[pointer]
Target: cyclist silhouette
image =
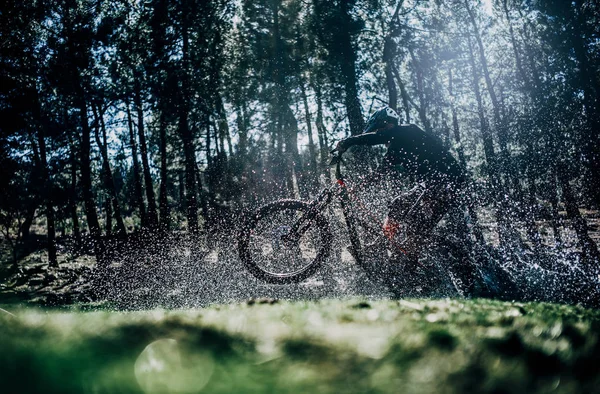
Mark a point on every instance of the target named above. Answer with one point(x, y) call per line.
point(427, 162)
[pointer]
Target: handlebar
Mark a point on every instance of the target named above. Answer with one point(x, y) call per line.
point(336, 159)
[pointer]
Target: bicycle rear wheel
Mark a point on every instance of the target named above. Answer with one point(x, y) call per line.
point(273, 251)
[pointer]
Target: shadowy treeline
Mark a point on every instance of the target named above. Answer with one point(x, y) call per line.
point(118, 116)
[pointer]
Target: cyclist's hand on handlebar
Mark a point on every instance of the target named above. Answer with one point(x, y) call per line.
point(341, 147)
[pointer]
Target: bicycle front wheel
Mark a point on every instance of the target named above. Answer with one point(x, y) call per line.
point(284, 242)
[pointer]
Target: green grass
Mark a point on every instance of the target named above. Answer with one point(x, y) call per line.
point(330, 346)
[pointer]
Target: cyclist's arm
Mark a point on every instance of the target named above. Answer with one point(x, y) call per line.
point(378, 137)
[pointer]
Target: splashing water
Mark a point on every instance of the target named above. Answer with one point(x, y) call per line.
point(184, 270)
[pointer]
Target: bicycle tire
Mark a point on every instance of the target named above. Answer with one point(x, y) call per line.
point(263, 228)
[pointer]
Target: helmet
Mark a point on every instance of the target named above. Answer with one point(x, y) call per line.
point(381, 118)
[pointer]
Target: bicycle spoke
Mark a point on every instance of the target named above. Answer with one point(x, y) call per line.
point(277, 249)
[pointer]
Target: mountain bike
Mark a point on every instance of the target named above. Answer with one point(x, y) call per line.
point(287, 241)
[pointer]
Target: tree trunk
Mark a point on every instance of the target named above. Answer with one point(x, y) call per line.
point(222, 122)
point(388, 59)
point(190, 169)
point(73, 195)
point(405, 96)
point(291, 150)
point(181, 184)
point(109, 184)
point(149, 186)
point(187, 136)
point(351, 101)
point(423, 104)
point(46, 184)
point(242, 135)
point(158, 22)
point(348, 70)
point(209, 155)
point(389, 52)
point(322, 134)
point(137, 181)
point(313, 179)
point(109, 217)
point(165, 215)
point(86, 172)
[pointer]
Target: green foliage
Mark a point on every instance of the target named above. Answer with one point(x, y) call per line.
point(408, 345)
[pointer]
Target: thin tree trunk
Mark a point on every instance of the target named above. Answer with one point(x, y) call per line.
point(187, 137)
point(314, 181)
point(388, 59)
point(181, 184)
point(109, 216)
point(348, 70)
point(86, 171)
point(165, 215)
point(209, 156)
point(73, 194)
point(219, 147)
point(137, 181)
point(149, 186)
point(322, 134)
point(291, 148)
point(190, 170)
point(46, 184)
point(422, 108)
point(73, 198)
point(404, 94)
point(158, 22)
point(242, 134)
point(389, 52)
point(223, 125)
point(109, 183)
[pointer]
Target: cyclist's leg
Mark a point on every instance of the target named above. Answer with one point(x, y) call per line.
point(400, 213)
point(428, 210)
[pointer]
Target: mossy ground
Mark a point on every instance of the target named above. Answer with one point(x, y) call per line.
point(327, 346)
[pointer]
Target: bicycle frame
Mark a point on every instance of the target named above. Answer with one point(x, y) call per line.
point(339, 190)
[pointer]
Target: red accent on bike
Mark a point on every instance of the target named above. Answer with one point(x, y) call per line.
point(390, 228)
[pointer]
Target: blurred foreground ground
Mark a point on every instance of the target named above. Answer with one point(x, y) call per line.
point(326, 346)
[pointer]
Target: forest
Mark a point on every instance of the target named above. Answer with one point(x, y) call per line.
point(154, 116)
